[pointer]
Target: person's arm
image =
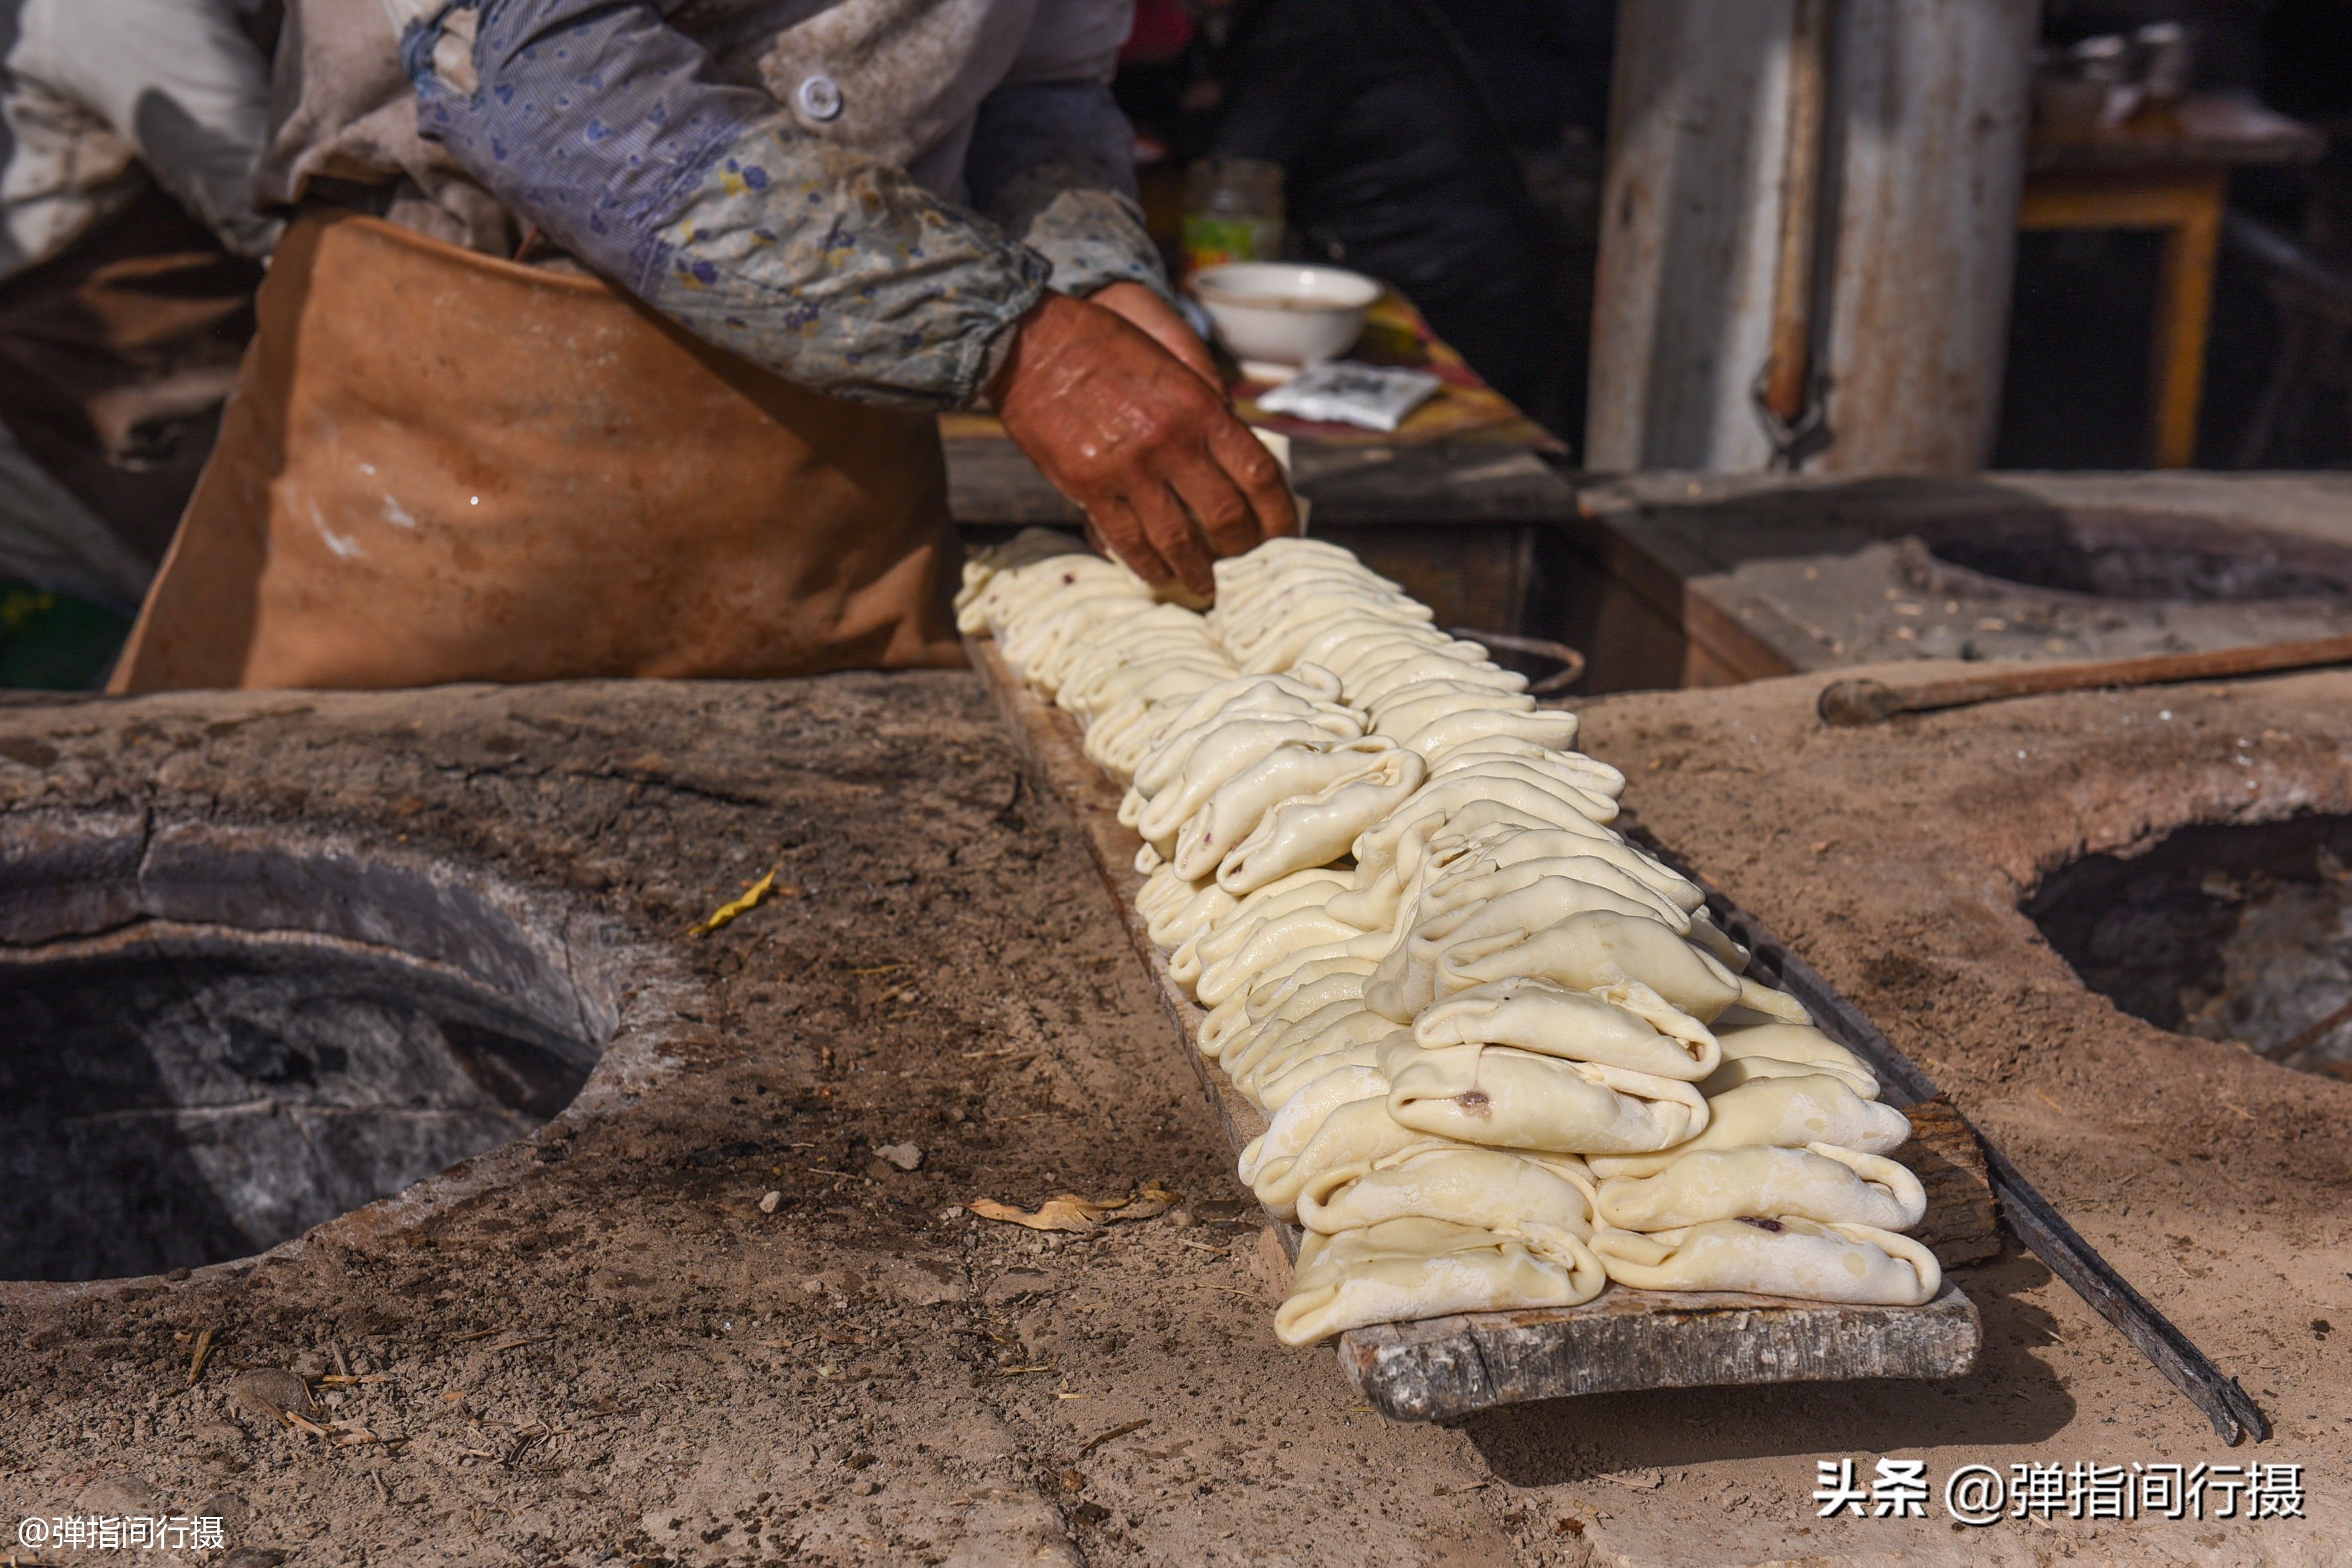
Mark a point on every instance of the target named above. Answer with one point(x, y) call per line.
point(1053, 163)
point(184, 87)
point(604, 127)
point(601, 126)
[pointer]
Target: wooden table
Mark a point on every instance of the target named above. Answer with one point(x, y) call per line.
point(2166, 170)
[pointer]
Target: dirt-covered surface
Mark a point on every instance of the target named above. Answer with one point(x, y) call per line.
point(595, 1347)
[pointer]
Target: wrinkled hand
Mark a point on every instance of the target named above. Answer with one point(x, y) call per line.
point(1169, 480)
point(1163, 324)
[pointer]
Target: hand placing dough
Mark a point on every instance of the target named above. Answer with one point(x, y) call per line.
point(1819, 1182)
point(1766, 1256)
point(1406, 1269)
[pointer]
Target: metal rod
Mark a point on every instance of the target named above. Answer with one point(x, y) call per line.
point(2045, 1232)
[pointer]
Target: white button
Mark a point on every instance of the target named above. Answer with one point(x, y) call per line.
point(820, 99)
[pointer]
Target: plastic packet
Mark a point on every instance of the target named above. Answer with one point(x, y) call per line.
point(1344, 391)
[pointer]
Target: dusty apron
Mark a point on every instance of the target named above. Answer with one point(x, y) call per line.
point(442, 467)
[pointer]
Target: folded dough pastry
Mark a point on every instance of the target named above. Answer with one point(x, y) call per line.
point(1232, 1019)
point(1508, 844)
point(1279, 1042)
point(1467, 880)
point(1268, 1089)
point(1270, 943)
point(1406, 981)
point(1787, 1050)
point(1819, 1181)
point(1554, 1021)
point(1507, 1098)
point(1343, 1148)
point(1549, 727)
point(1416, 708)
point(1587, 773)
point(1214, 761)
point(1293, 769)
point(1375, 682)
point(1589, 802)
point(1589, 950)
point(1488, 1189)
point(1402, 1269)
point(1768, 1256)
point(1786, 1113)
point(1295, 1125)
point(1316, 830)
point(1318, 1035)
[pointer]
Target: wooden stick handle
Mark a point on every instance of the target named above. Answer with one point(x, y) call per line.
point(1864, 701)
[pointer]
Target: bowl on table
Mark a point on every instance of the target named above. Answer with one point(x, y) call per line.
point(1283, 312)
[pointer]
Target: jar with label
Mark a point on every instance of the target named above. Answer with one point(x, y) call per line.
point(1233, 212)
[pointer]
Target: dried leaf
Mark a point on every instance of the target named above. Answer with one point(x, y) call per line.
point(1150, 1203)
point(1072, 1212)
point(754, 897)
point(1069, 1212)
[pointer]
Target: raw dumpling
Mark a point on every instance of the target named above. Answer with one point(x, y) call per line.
point(1294, 1125)
point(1406, 981)
point(1538, 1015)
point(1787, 1050)
point(1821, 1183)
point(1505, 1098)
point(1856, 1263)
point(1785, 1114)
point(1488, 1189)
point(1401, 1269)
point(1547, 727)
point(1316, 830)
point(1343, 1148)
point(1232, 813)
point(1588, 950)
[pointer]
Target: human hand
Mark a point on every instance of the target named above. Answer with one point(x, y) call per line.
point(1163, 324)
point(1169, 478)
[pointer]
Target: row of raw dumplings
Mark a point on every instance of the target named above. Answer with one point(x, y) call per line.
point(1506, 1055)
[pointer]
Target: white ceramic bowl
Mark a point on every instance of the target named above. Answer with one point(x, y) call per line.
point(1285, 312)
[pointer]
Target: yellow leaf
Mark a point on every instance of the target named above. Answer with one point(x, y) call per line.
point(1068, 1212)
point(754, 897)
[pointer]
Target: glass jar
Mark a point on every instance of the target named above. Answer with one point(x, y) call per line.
point(1233, 212)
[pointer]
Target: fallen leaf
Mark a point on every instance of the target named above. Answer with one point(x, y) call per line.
point(1149, 1202)
point(1072, 1212)
point(1069, 1212)
point(754, 897)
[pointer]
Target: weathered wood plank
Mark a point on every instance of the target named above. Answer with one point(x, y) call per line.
point(1442, 1367)
point(1622, 1338)
point(1962, 1224)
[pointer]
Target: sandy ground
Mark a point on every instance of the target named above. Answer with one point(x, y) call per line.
point(868, 1375)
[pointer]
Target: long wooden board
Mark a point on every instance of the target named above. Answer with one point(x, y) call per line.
point(1442, 1367)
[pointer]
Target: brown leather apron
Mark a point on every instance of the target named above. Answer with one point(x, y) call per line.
point(443, 466)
